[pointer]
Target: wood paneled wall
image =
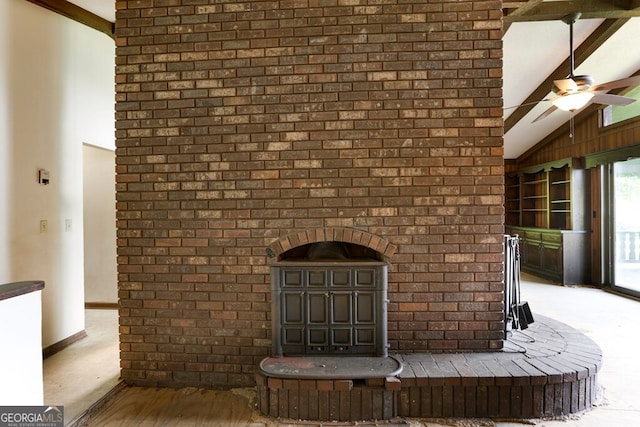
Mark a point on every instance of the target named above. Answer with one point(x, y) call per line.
point(589, 138)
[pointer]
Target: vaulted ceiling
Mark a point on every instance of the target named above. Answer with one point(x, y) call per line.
point(536, 52)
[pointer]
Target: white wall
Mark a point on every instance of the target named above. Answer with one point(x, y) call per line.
point(100, 259)
point(21, 355)
point(56, 92)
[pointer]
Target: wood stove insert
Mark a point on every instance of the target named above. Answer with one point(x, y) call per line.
point(329, 298)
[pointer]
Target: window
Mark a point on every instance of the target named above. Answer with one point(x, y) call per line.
point(613, 114)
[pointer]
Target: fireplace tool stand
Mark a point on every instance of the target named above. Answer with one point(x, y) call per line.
point(518, 315)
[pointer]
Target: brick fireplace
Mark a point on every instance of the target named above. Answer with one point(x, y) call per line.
point(246, 129)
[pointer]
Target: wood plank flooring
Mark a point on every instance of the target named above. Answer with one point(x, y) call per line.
point(143, 407)
point(84, 372)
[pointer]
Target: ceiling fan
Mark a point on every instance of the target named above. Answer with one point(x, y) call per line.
point(576, 92)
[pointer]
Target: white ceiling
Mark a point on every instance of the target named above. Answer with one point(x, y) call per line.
point(103, 8)
point(532, 51)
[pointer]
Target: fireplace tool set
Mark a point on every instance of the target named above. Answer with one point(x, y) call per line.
point(518, 315)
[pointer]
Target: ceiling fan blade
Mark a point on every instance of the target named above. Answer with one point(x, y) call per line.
point(566, 85)
point(608, 99)
point(615, 84)
point(546, 113)
point(527, 103)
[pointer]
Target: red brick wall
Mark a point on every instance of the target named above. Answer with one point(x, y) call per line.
point(243, 123)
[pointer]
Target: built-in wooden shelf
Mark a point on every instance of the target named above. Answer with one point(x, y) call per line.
point(547, 206)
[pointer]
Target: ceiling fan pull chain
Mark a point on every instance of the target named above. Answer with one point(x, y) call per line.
point(571, 127)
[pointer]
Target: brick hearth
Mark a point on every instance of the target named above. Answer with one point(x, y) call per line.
point(557, 376)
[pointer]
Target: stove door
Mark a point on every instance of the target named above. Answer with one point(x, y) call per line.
point(329, 309)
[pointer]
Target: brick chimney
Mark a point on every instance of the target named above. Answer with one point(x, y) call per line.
point(244, 126)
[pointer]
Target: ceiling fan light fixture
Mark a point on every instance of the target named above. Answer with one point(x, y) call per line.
point(574, 101)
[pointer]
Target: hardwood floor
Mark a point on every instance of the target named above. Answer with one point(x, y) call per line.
point(82, 373)
point(141, 406)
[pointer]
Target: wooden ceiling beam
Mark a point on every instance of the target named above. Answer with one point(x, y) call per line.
point(78, 14)
point(554, 11)
point(520, 8)
point(516, 9)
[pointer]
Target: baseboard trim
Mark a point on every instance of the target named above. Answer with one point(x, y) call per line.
point(101, 305)
point(61, 345)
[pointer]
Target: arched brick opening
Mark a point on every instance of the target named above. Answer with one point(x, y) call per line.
point(294, 240)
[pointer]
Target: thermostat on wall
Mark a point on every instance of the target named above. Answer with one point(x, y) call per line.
point(43, 176)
